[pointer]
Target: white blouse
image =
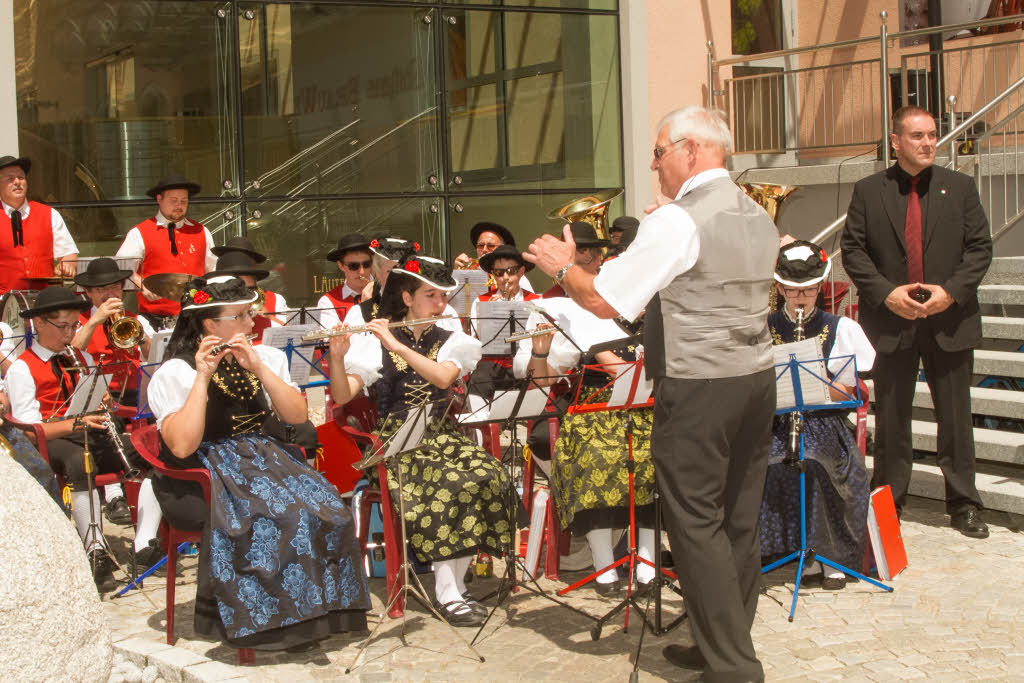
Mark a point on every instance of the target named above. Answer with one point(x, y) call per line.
point(172, 382)
point(850, 341)
point(366, 359)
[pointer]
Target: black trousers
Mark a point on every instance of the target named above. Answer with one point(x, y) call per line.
point(710, 442)
point(949, 379)
point(66, 456)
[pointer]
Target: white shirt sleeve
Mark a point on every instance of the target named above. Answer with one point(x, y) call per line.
point(365, 358)
point(461, 349)
point(133, 246)
point(354, 316)
point(211, 260)
point(453, 323)
point(666, 246)
point(328, 315)
point(277, 361)
point(147, 327)
point(63, 243)
point(7, 347)
point(21, 389)
point(850, 341)
point(169, 387)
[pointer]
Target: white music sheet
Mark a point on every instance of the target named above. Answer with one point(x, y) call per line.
point(624, 383)
point(301, 356)
point(492, 325)
point(503, 407)
point(813, 389)
point(87, 394)
point(472, 283)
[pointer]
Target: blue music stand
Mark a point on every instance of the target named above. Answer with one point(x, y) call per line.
point(804, 555)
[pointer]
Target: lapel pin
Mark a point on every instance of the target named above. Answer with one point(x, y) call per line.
point(942, 191)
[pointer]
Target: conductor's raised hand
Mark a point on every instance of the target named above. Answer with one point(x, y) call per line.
point(550, 253)
point(900, 302)
point(339, 345)
point(380, 329)
point(206, 363)
point(542, 343)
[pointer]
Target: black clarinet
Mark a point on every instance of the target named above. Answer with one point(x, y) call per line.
point(795, 418)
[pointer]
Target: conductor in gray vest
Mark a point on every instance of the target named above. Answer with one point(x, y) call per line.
point(702, 267)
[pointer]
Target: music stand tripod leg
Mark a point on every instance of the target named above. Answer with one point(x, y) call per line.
point(406, 588)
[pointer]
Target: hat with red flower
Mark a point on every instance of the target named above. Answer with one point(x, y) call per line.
point(802, 264)
point(393, 248)
point(434, 272)
point(222, 290)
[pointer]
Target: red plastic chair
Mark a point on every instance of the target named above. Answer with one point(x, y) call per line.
point(556, 540)
point(147, 442)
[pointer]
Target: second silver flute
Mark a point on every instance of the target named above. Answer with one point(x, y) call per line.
point(359, 329)
point(529, 334)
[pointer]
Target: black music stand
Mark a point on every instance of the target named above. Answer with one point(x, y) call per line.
point(630, 390)
point(407, 438)
point(507, 408)
point(801, 372)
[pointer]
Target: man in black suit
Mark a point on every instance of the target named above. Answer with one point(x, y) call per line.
point(917, 245)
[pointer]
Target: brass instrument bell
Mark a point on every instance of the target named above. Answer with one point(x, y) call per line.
point(125, 332)
point(769, 196)
point(592, 209)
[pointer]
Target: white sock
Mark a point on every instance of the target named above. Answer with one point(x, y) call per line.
point(461, 565)
point(812, 568)
point(645, 548)
point(445, 586)
point(80, 513)
point(148, 515)
point(601, 549)
point(112, 491)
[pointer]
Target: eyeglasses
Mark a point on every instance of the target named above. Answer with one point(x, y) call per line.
point(63, 327)
point(489, 246)
point(512, 270)
point(660, 152)
point(237, 318)
point(800, 291)
point(353, 266)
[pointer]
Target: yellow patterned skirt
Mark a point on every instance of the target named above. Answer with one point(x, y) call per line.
point(589, 469)
point(455, 496)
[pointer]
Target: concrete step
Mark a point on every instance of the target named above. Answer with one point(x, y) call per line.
point(1007, 265)
point(990, 445)
point(1002, 328)
point(999, 363)
point(1005, 295)
point(996, 402)
point(1001, 488)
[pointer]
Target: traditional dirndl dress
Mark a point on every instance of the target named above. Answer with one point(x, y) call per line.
point(837, 483)
point(455, 493)
point(279, 563)
point(28, 457)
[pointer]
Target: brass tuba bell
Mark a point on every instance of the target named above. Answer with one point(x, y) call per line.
point(125, 331)
point(591, 209)
point(769, 196)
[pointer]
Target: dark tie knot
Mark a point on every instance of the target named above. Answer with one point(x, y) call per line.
point(914, 182)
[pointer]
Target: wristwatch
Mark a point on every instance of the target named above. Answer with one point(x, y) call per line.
point(560, 275)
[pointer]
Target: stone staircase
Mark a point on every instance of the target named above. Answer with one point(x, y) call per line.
point(999, 450)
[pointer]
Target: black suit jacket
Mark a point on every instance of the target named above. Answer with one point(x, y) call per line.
point(957, 252)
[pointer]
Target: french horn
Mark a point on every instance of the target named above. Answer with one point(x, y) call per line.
point(592, 209)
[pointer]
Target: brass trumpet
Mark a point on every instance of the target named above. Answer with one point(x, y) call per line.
point(125, 331)
point(261, 301)
point(361, 329)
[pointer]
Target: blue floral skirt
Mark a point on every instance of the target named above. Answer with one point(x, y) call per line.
point(280, 562)
point(837, 493)
point(28, 456)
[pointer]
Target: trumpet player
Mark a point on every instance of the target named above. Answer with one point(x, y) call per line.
point(487, 237)
point(39, 384)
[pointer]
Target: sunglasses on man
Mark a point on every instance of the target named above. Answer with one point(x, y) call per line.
point(353, 266)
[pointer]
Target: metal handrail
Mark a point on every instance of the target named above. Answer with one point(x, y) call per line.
point(977, 23)
point(944, 140)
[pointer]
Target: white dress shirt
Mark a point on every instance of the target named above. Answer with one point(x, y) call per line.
point(135, 247)
point(63, 243)
point(21, 386)
point(666, 246)
point(327, 313)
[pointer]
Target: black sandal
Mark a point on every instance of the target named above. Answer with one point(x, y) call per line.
point(471, 617)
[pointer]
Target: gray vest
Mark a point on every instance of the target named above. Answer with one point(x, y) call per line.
point(711, 321)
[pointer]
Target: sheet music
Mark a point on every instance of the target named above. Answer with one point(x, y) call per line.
point(278, 337)
point(157, 346)
point(534, 404)
point(814, 390)
point(88, 393)
point(624, 384)
point(408, 437)
point(472, 283)
point(492, 325)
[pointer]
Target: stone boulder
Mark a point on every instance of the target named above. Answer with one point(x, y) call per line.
point(52, 624)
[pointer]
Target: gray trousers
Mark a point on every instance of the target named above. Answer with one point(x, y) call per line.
point(710, 442)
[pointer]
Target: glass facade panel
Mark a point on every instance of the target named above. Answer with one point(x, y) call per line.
point(114, 94)
point(298, 236)
point(563, 4)
point(337, 99)
point(509, 77)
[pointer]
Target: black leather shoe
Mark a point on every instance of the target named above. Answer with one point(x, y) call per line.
point(833, 583)
point(969, 522)
point(606, 589)
point(685, 657)
point(147, 557)
point(467, 617)
point(117, 512)
point(102, 571)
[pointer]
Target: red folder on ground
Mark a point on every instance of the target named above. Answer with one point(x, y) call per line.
point(884, 534)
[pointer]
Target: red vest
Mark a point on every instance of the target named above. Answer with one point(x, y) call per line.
point(191, 258)
point(47, 385)
point(341, 305)
point(555, 292)
point(262, 322)
point(33, 259)
point(123, 364)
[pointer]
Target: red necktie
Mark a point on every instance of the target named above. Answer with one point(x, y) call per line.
point(912, 235)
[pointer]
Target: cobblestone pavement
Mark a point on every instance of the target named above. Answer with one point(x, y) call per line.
point(957, 614)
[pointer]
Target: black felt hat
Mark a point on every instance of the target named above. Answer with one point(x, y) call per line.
point(504, 251)
point(624, 223)
point(221, 290)
point(237, 263)
point(241, 244)
point(801, 264)
point(174, 181)
point(101, 272)
point(354, 241)
point(434, 272)
point(585, 235)
point(24, 162)
point(55, 299)
point(486, 226)
point(393, 248)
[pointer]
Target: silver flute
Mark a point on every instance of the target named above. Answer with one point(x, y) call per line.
point(529, 334)
point(220, 347)
point(321, 335)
